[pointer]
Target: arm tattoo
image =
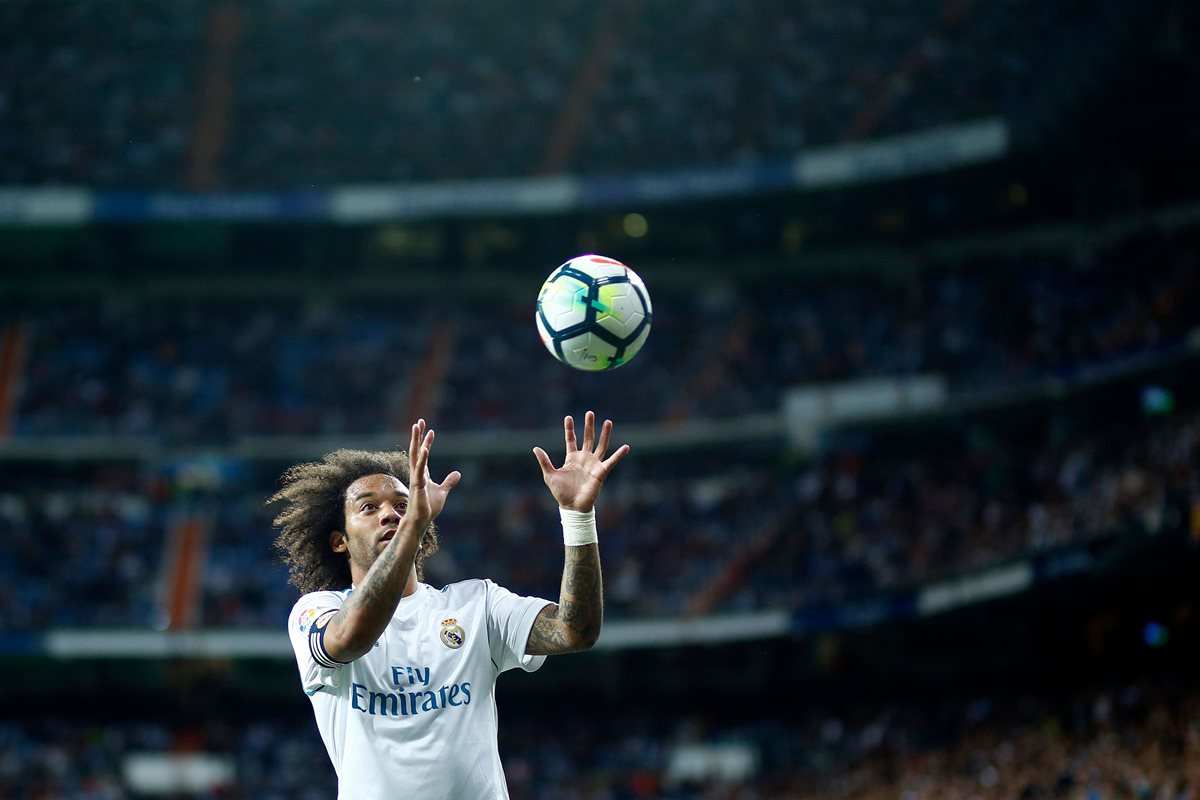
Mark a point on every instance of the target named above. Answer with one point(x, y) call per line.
point(574, 623)
point(379, 585)
point(371, 605)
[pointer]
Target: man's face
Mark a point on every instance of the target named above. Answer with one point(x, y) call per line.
point(373, 506)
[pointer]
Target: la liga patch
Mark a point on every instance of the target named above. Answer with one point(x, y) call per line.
point(306, 618)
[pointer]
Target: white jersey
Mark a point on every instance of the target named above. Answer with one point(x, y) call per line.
point(416, 716)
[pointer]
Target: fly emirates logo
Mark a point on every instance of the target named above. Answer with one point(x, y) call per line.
point(411, 695)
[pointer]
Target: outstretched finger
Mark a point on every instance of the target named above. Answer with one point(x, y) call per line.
point(589, 430)
point(569, 432)
point(617, 455)
point(416, 470)
point(605, 433)
point(427, 448)
point(543, 461)
point(420, 473)
point(418, 459)
point(414, 438)
point(450, 481)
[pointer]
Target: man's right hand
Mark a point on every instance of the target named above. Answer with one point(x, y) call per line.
point(426, 499)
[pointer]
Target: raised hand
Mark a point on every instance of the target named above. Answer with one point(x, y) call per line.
point(426, 499)
point(576, 484)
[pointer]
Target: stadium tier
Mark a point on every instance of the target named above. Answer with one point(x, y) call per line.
point(859, 515)
point(193, 371)
point(106, 528)
point(286, 95)
point(912, 504)
point(1117, 740)
point(77, 110)
point(682, 534)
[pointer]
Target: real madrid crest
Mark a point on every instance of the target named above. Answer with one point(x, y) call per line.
point(453, 634)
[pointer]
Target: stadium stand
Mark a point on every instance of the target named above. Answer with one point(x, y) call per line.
point(858, 517)
point(865, 516)
point(727, 82)
point(992, 597)
point(855, 522)
point(76, 110)
point(209, 372)
point(104, 528)
point(298, 95)
point(1118, 740)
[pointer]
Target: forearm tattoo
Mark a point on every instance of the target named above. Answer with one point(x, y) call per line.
point(380, 583)
point(574, 623)
point(373, 601)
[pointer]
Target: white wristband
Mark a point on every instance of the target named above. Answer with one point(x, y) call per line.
point(579, 527)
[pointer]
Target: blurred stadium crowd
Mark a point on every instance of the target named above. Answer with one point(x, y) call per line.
point(208, 372)
point(310, 94)
point(682, 536)
point(320, 93)
point(1140, 740)
point(679, 538)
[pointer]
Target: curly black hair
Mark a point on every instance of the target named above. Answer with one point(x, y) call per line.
point(314, 496)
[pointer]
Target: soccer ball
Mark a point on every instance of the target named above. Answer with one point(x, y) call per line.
point(593, 313)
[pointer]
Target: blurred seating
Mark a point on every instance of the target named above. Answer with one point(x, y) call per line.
point(97, 93)
point(321, 93)
point(84, 547)
point(861, 515)
point(866, 516)
point(1125, 740)
point(189, 370)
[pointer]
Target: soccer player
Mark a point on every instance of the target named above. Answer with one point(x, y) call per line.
point(401, 675)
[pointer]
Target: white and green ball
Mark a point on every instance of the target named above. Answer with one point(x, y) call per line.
point(593, 313)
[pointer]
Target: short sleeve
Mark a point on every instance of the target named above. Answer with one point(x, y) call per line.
point(306, 630)
point(510, 619)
